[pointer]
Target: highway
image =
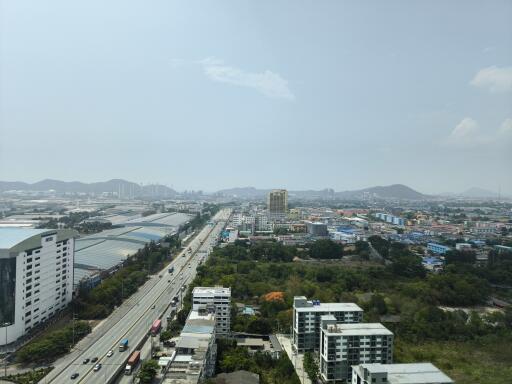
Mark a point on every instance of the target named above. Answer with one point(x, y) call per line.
point(134, 318)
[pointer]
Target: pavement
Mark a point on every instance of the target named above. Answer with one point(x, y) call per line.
point(296, 358)
point(133, 319)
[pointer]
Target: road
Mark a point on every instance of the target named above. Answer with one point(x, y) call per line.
point(134, 318)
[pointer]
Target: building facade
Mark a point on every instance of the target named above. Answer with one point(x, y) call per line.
point(307, 316)
point(195, 351)
point(438, 249)
point(414, 373)
point(345, 345)
point(316, 228)
point(277, 204)
point(36, 277)
point(218, 297)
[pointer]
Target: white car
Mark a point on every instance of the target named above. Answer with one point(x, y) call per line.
point(110, 353)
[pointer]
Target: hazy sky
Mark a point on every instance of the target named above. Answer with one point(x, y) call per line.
point(295, 94)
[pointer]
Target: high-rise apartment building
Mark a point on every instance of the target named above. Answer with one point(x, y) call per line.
point(277, 204)
point(413, 373)
point(345, 345)
point(218, 297)
point(36, 277)
point(307, 316)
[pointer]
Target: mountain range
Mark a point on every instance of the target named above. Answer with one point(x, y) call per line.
point(130, 189)
point(123, 187)
point(395, 191)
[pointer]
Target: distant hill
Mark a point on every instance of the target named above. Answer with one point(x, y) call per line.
point(125, 188)
point(244, 192)
point(396, 191)
point(479, 193)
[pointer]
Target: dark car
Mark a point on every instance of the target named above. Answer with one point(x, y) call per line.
point(94, 359)
point(74, 376)
point(86, 361)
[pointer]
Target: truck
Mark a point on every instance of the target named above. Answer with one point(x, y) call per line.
point(155, 328)
point(123, 345)
point(132, 362)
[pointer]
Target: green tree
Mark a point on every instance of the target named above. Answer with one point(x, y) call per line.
point(325, 249)
point(311, 366)
point(148, 371)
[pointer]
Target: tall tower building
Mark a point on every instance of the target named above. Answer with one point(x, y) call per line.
point(36, 277)
point(277, 204)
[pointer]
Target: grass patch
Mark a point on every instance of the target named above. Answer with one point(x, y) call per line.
point(487, 360)
point(28, 377)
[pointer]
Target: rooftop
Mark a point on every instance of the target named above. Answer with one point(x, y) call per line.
point(11, 236)
point(212, 290)
point(356, 329)
point(329, 307)
point(414, 373)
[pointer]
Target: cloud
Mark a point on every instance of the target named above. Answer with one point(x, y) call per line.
point(494, 78)
point(267, 82)
point(467, 134)
point(506, 128)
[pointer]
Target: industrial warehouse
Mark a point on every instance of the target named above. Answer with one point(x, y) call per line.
point(107, 250)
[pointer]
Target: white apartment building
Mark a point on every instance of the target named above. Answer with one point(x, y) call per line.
point(36, 277)
point(345, 345)
point(414, 373)
point(220, 298)
point(307, 316)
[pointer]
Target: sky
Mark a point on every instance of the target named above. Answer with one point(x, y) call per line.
point(295, 94)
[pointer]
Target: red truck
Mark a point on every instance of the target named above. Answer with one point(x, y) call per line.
point(133, 360)
point(155, 328)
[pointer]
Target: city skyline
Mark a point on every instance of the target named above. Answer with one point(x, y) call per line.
point(342, 95)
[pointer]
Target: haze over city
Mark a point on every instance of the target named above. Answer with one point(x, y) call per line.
point(301, 95)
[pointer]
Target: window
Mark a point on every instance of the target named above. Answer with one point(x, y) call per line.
point(49, 239)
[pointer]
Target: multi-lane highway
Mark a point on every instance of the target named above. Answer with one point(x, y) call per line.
point(134, 318)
